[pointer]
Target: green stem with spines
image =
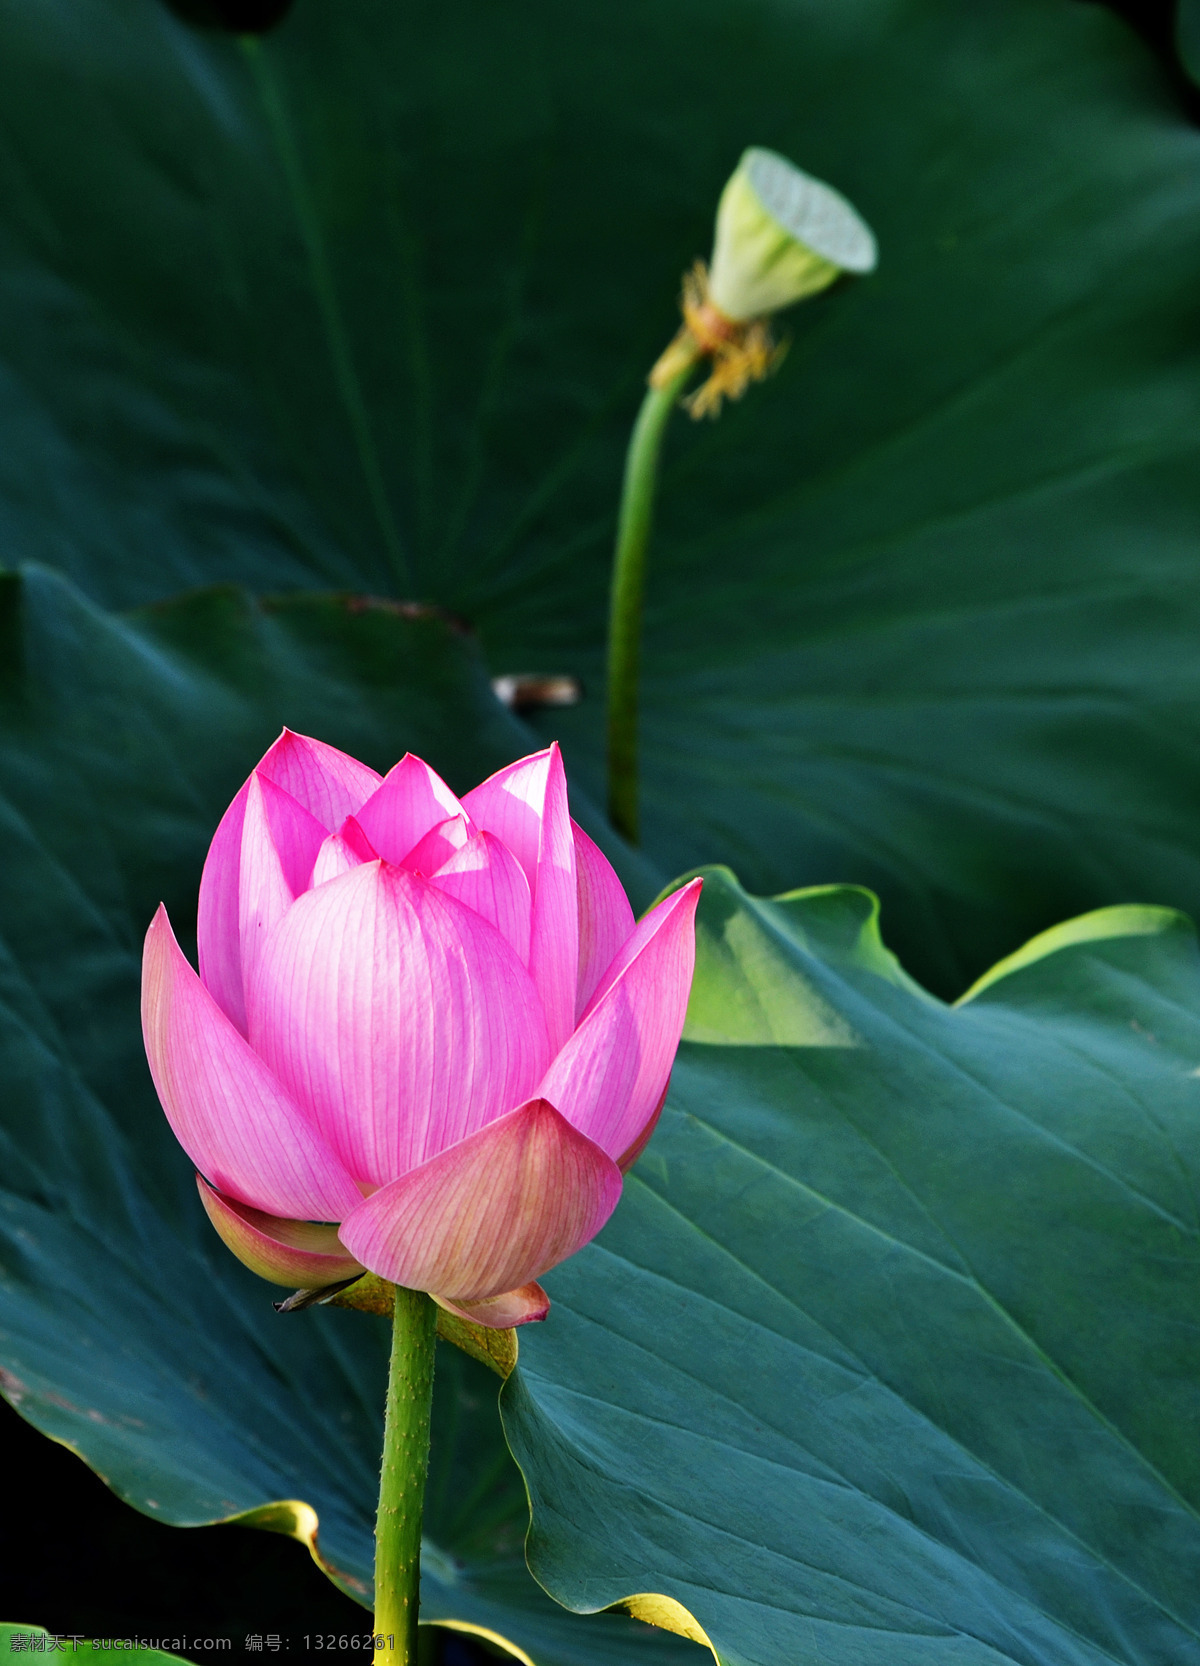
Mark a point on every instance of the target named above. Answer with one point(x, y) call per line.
point(634, 526)
point(402, 1476)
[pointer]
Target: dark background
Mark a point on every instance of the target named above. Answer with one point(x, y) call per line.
point(72, 1557)
point(77, 1560)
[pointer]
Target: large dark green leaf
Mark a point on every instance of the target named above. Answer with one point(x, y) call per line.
point(890, 1355)
point(126, 1330)
point(370, 301)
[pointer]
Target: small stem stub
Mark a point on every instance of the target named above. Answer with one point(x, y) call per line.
point(402, 1477)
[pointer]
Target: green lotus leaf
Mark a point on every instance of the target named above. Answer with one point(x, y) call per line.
point(890, 1354)
point(20, 1639)
point(369, 302)
point(127, 1331)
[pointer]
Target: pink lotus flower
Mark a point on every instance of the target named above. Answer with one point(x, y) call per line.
point(431, 1023)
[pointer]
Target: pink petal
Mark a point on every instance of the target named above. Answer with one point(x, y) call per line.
point(325, 782)
point(630, 1156)
point(525, 806)
point(227, 1110)
point(397, 1017)
point(334, 858)
point(300, 1253)
point(438, 845)
point(486, 876)
point(218, 930)
point(330, 784)
point(515, 1307)
point(412, 799)
point(491, 1213)
point(611, 1076)
point(348, 848)
point(280, 842)
point(606, 920)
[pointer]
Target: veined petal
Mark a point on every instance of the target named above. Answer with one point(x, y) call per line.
point(304, 1254)
point(490, 1214)
point(606, 920)
point(525, 806)
point(436, 848)
point(294, 833)
point(218, 928)
point(334, 858)
point(411, 799)
point(325, 782)
point(630, 1156)
point(610, 1077)
point(396, 1016)
point(228, 1112)
point(488, 878)
point(348, 848)
point(280, 842)
point(515, 1307)
point(685, 899)
point(331, 785)
point(510, 804)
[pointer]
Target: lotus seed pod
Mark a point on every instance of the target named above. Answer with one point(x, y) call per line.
point(781, 236)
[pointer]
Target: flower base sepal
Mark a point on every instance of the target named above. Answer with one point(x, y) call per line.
point(307, 1253)
point(491, 1346)
point(497, 1349)
point(526, 1306)
point(325, 1295)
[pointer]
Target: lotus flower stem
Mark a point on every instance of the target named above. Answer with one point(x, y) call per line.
point(402, 1477)
point(628, 590)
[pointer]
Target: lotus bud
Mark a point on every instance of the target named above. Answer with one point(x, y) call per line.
point(781, 236)
point(427, 1037)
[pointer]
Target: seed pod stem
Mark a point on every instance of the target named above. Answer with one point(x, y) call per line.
point(781, 236)
point(629, 581)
